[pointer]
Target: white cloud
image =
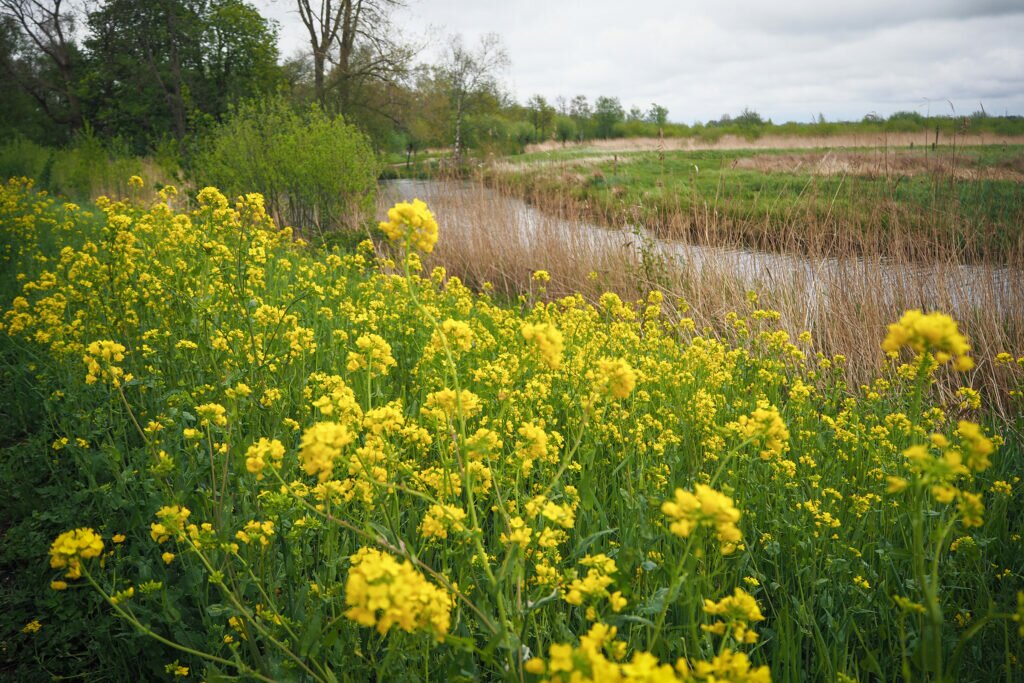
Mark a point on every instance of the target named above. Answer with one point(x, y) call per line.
point(790, 59)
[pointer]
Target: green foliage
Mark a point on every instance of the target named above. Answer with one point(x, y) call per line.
point(20, 157)
point(155, 68)
point(607, 113)
point(315, 171)
point(90, 166)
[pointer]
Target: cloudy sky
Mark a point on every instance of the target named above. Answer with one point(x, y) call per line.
point(787, 59)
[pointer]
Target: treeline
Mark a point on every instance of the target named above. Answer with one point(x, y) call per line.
point(161, 78)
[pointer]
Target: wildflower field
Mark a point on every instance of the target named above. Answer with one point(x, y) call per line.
point(233, 456)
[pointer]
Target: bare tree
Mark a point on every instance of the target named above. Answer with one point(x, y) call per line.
point(49, 26)
point(344, 25)
point(468, 73)
point(323, 23)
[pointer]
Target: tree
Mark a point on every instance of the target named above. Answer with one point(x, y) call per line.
point(469, 74)
point(360, 32)
point(314, 170)
point(607, 113)
point(323, 25)
point(166, 65)
point(579, 110)
point(565, 129)
point(48, 27)
point(748, 117)
point(542, 116)
point(657, 114)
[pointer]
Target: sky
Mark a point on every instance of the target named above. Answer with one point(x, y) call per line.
point(789, 60)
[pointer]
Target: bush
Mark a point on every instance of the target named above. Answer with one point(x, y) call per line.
point(315, 171)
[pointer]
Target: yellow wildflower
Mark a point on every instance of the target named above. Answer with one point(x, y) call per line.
point(382, 592)
point(71, 547)
point(704, 507)
point(412, 223)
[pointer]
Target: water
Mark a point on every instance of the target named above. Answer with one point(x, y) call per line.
point(950, 288)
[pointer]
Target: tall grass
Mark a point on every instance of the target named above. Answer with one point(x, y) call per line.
point(87, 168)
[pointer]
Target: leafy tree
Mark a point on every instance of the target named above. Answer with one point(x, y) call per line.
point(542, 116)
point(748, 117)
point(607, 113)
point(579, 110)
point(565, 129)
point(168, 64)
point(657, 114)
point(313, 170)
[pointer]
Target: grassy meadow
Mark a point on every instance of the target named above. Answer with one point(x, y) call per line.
point(231, 455)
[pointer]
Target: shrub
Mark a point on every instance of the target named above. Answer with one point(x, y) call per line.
point(315, 171)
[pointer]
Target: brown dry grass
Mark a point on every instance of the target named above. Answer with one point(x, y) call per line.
point(727, 142)
point(846, 309)
point(877, 164)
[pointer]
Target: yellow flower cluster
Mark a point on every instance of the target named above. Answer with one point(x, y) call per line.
point(101, 360)
point(738, 611)
point(704, 507)
point(727, 665)
point(382, 592)
point(71, 547)
point(975, 446)
point(211, 197)
point(934, 333)
point(374, 353)
point(939, 465)
point(548, 340)
point(456, 334)
point(613, 378)
point(765, 427)
point(172, 523)
point(600, 658)
point(255, 531)
point(322, 446)
point(440, 519)
point(212, 415)
point(412, 223)
point(594, 586)
point(262, 454)
point(444, 406)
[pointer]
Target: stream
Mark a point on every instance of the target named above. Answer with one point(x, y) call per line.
point(456, 205)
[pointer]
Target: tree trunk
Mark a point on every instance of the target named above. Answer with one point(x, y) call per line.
point(318, 75)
